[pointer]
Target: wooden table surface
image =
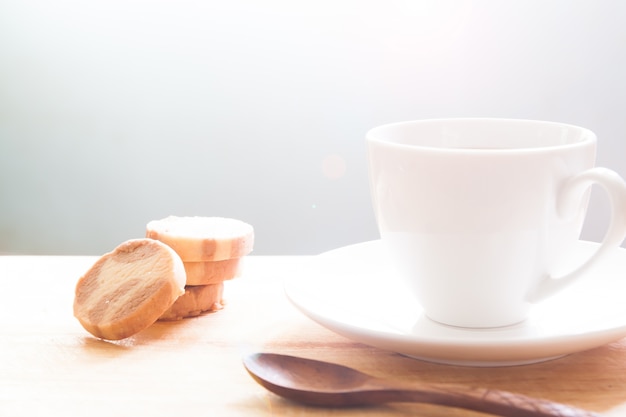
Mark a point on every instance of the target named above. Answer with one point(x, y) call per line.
point(50, 366)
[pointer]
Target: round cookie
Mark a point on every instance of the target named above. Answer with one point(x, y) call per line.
point(128, 289)
point(211, 272)
point(197, 299)
point(201, 239)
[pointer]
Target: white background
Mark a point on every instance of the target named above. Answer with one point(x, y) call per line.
point(117, 112)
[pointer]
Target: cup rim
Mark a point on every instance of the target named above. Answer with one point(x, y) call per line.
point(588, 137)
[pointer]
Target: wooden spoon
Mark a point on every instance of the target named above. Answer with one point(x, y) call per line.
point(326, 384)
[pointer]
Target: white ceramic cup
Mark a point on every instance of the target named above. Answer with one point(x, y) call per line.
point(478, 214)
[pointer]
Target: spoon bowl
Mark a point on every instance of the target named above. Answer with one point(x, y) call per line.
point(327, 384)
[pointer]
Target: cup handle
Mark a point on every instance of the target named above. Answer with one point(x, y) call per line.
point(568, 200)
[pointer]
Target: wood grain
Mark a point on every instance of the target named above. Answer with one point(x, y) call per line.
point(51, 366)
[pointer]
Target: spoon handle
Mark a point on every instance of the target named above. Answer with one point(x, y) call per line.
point(490, 401)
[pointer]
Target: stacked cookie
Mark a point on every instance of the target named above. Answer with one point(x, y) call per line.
point(177, 271)
point(211, 249)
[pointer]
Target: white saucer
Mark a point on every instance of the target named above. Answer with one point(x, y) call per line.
point(354, 292)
